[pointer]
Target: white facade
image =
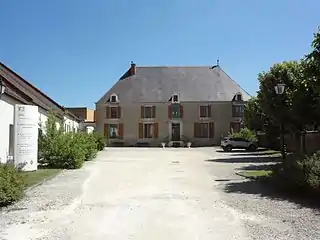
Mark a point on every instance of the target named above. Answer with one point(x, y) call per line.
point(7, 126)
point(70, 125)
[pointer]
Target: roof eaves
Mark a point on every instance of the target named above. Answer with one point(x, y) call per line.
point(32, 86)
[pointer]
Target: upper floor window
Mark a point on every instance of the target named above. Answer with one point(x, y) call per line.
point(175, 98)
point(237, 110)
point(237, 97)
point(175, 111)
point(148, 112)
point(113, 112)
point(114, 98)
point(205, 111)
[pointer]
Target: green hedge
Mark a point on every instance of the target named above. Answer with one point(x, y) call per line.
point(67, 150)
point(245, 133)
point(299, 174)
point(11, 184)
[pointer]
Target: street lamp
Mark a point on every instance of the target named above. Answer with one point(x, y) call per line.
point(2, 88)
point(279, 89)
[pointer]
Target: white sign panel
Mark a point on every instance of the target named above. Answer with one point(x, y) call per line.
point(26, 137)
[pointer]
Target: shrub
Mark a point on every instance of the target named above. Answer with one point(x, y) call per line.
point(11, 184)
point(100, 141)
point(299, 174)
point(67, 152)
point(245, 133)
point(310, 167)
point(88, 143)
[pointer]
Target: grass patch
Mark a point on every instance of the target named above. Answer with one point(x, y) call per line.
point(32, 178)
point(255, 173)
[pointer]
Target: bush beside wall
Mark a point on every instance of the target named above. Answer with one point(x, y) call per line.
point(58, 149)
point(299, 174)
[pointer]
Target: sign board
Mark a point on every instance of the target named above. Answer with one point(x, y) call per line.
point(26, 137)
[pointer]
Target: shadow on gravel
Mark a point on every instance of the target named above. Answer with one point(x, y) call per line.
point(263, 189)
point(259, 150)
point(246, 159)
point(265, 167)
point(257, 154)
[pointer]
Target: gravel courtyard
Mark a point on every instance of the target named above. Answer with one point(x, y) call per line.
point(154, 193)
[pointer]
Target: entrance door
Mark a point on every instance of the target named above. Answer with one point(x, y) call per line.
point(175, 133)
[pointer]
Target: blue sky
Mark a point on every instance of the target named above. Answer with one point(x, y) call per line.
point(75, 50)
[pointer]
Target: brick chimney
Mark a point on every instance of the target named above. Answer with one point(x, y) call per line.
point(132, 69)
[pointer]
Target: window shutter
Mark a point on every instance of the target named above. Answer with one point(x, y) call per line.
point(140, 130)
point(169, 111)
point(153, 111)
point(211, 130)
point(119, 112)
point(107, 112)
point(181, 111)
point(209, 111)
point(121, 130)
point(155, 130)
point(106, 130)
point(196, 130)
point(142, 111)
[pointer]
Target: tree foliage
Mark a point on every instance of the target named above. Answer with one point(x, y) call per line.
point(253, 116)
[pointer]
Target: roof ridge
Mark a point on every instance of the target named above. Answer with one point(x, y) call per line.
point(169, 66)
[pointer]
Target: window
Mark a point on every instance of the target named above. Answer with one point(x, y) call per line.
point(204, 111)
point(148, 112)
point(113, 131)
point(204, 130)
point(175, 110)
point(147, 130)
point(238, 97)
point(114, 98)
point(234, 127)
point(175, 98)
point(114, 112)
point(237, 110)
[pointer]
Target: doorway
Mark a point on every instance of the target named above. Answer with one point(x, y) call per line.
point(175, 132)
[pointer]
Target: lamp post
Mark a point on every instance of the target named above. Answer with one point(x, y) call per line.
point(2, 88)
point(279, 89)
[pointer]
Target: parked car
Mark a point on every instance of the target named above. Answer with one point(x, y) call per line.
point(229, 143)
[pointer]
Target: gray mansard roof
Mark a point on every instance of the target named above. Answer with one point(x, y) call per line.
point(157, 84)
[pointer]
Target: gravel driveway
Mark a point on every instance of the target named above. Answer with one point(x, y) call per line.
point(153, 193)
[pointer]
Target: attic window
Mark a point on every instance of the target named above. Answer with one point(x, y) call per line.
point(114, 98)
point(237, 97)
point(175, 98)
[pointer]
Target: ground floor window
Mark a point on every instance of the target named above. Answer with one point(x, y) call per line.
point(148, 130)
point(204, 130)
point(113, 131)
point(235, 127)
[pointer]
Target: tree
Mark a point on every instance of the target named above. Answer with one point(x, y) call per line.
point(311, 81)
point(296, 107)
point(253, 116)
